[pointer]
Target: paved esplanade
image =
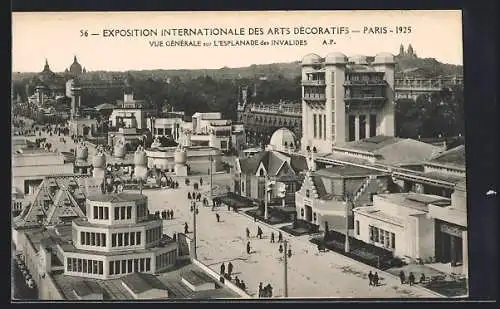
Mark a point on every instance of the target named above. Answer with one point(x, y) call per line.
point(310, 274)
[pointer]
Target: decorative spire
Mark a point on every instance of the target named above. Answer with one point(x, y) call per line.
point(75, 60)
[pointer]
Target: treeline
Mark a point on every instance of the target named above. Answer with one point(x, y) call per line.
point(441, 113)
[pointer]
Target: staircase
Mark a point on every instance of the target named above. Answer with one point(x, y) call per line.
point(364, 186)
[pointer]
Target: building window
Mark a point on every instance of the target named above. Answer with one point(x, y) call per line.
point(101, 213)
point(117, 213)
point(124, 266)
point(223, 144)
point(307, 193)
point(302, 212)
point(132, 239)
point(324, 126)
point(113, 240)
point(357, 227)
point(125, 239)
point(320, 127)
point(122, 210)
point(373, 125)
point(393, 241)
point(129, 212)
point(141, 268)
point(362, 126)
point(352, 128)
point(69, 265)
point(106, 213)
point(103, 242)
point(138, 238)
point(130, 266)
point(136, 265)
point(82, 238)
point(111, 268)
point(120, 239)
point(314, 125)
point(95, 212)
point(92, 239)
point(148, 264)
point(117, 267)
point(101, 267)
point(97, 239)
point(314, 217)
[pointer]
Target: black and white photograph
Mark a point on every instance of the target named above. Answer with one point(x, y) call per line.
point(238, 155)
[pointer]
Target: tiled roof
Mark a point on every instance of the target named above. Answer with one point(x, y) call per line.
point(56, 199)
point(271, 161)
point(346, 171)
point(117, 197)
point(298, 163)
point(373, 143)
point(453, 157)
point(84, 288)
point(140, 282)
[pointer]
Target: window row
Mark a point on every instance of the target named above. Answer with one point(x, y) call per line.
point(153, 234)
point(165, 259)
point(85, 266)
point(93, 239)
point(129, 266)
point(123, 212)
point(101, 213)
point(380, 236)
point(319, 126)
point(125, 239)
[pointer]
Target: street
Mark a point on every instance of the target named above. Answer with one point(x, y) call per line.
point(310, 274)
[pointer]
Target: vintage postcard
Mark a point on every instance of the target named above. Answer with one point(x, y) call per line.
point(238, 155)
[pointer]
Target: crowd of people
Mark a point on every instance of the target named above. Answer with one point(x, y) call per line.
point(164, 214)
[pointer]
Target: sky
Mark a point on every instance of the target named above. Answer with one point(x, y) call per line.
point(56, 36)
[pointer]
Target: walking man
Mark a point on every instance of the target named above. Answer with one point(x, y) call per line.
point(260, 290)
point(248, 247)
point(272, 237)
point(248, 232)
point(402, 277)
point(201, 181)
point(375, 279)
point(259, 232)
point(370, 277)
point(229, 268)
point(222, 269)
point(171, 213)
point(186, 230)
point(411, 278)
point(280, 237)
point(218, 217)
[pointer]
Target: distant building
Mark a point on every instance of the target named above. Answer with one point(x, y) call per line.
point(346, 99)
point(29, 168)
point(209, 129)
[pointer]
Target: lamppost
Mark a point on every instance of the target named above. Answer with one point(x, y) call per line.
point(195, 211)
point(210, 171)
point(287, 253)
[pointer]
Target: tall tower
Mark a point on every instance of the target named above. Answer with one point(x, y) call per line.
point(75, 100)
point(99, 165)
point(384, 62)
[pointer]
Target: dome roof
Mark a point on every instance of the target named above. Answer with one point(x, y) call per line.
point(382, 58)
point(310, 59)
point(358, 59)
point(282, 139)
point(335, 57)
point(75, 68)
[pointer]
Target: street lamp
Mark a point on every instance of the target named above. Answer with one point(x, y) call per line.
point(195, 211)
point(287, 253)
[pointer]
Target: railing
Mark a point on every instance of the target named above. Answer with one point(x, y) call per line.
point(314, 97)
point(273, 109)
point(317, 82)
point(365, 83)
point(351, 98)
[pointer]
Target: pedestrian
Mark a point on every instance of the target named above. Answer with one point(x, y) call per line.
point(422, 278)
point(269, 290)
point(228, 207)
point(229, 268)
point(375, 279)
point(402, 277)
point(201, 181)
point(222, 269)
point(272, 237)
point(259, 232)
point(248, 247)
point(260, 290)
point(243, 285)
point(248, 232)
point(189, 195)
point(411, 278)
point(171, 213)
point(218, 217)
point(280, 237)
point(186, 230)
point(370, 278)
